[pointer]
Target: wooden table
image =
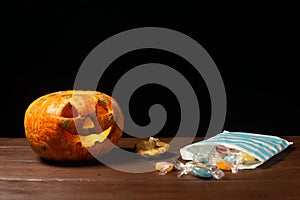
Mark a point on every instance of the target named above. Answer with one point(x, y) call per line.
point(24, 176)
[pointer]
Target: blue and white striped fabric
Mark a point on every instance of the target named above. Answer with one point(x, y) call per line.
point(262, 147)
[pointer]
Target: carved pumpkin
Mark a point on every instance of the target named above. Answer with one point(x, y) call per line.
point(73, 125)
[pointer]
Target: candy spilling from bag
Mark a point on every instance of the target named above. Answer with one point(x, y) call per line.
point(227, 151)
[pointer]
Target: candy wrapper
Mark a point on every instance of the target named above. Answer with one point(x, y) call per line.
point(235, 150)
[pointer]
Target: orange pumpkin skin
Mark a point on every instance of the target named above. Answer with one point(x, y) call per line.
point(73, 125)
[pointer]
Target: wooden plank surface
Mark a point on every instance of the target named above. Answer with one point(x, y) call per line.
point(24, 175)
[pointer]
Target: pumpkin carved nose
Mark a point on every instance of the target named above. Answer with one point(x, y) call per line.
point(88, 123)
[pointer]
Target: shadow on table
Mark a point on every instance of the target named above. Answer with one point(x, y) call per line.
point(92, 162)
point(112, 158)
point(277, 158)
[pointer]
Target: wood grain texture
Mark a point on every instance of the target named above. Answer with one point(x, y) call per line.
point(24, 175)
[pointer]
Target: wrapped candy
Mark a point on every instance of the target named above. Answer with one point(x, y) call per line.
point(163, 167)
point(202, 172)
point(198, 169)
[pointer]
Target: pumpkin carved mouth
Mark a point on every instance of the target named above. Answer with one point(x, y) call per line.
point(90, 140)
point(72, 120)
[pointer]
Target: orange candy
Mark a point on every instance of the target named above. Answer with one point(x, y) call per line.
point(163, 167)
point(224, 165)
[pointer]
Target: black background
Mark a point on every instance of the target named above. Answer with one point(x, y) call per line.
point(252, 43)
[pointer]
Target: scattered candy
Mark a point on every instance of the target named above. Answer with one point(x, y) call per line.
point(224, 158)
point(208, 159)
point(178, 165)
point(201, 170)
point(193, 163)
point(230, 158)
point(217, 173)
point(221, 149)
point(184, 171)
point(247, 157)
point(224, 165)
point(163, 167)
point(200, 158)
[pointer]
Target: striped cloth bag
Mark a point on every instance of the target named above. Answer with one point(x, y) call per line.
point(261, 147)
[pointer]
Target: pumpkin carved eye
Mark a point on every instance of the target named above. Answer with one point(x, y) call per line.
point(101, 107)
point(69, 111)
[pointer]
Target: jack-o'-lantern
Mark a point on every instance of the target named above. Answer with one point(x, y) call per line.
point(73, 125)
